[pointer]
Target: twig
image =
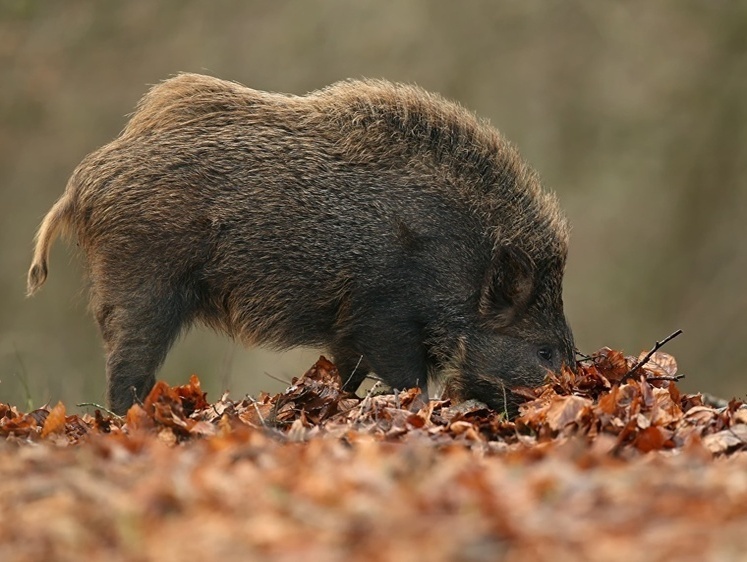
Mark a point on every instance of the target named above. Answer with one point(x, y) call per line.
point(135, 397)
point(285, 382)
point(23, 379)
point(505, 401)
point(226, 402)
point(266, 427)
point(256, 409)
point(647, 357)
point(358, 364)
point(666, 378)
point(364, 404)
point(98, 407)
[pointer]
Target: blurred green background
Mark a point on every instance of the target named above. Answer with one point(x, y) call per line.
point(634, 112)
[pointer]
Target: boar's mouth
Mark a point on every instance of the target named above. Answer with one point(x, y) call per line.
point(496, 395)
point(508, 405)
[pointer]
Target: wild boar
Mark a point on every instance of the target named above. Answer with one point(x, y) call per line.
point(376, 220)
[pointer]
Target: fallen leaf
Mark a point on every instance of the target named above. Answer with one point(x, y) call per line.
point(566, 410)
point(660, 364)
point(726, 439)
point(650, 439)
point(55, 422)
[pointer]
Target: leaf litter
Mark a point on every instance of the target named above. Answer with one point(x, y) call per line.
point(603, 463)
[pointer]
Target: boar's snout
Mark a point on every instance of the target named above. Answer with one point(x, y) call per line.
point(519, 356)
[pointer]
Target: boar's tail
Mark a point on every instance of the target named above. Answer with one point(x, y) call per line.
point(57, 219)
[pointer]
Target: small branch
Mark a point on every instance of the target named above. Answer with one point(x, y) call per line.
point(98, 407)
point(505, 401)
point(647, 357)
point(675, 378)
point(136, 398)
point(256, 409)
point(285, 382)
point(365, 403)
point(358, 364)
point(23, 379)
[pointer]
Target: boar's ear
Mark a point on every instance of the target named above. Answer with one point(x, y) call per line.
point(508, 285)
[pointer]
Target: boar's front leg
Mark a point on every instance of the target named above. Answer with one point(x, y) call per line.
point(138, 328)
point(350, 363)
point(394, 350)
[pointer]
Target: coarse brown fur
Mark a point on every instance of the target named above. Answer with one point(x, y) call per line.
point(374, 219)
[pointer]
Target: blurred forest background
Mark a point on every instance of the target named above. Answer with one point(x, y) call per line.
point(635, 113)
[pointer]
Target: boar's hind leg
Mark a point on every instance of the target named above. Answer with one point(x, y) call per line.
point(138, 329)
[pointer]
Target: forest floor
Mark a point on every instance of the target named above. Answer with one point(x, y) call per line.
point(609, 463)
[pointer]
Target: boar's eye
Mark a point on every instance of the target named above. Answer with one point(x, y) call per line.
point(545, 354)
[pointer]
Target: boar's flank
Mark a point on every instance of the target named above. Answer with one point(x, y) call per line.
point(376, 220)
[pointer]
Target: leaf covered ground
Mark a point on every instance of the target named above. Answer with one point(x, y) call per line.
point(612, 462)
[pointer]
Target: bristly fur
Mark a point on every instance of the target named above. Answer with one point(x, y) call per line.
point(373, 121)
point(371, 218)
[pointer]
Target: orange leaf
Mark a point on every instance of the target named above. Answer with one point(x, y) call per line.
point(55, 422)
point(192, 397)
point(137, 418)
point(416, 420)
point(608, 402)
point(611, 363)
point(650, 439)
point(160, 391)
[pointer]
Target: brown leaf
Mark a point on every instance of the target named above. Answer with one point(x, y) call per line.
point(565, 410)
point(660, 364)
point(416, 420)
point(608, 402)
point(740, 416)
point(256, 412)
point(325, 372)
point(167, 436)
point(701, 415)
point(191, 395)
point(611, 363)
point(102, 424)
point(727, 439)
point(465, 430)
point(407, 397)
point(664, 411)
point(137, 418)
